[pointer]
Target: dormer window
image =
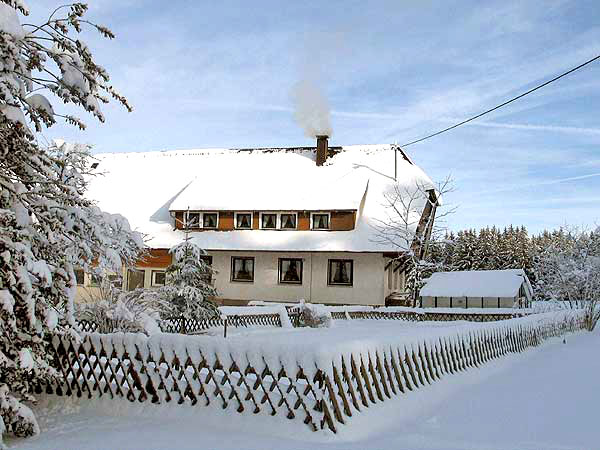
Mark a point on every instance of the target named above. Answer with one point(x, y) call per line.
point(243, 221)
point(210, 220)
point(320, 221)
point(268, 221)
point(289, 221)
point(193, 220)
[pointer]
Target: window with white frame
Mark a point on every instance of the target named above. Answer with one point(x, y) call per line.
point(320, 221)
point(210, 220)
point(268, 221)
point(243, 221)
point(159, 277)
point(242, 268)
point(340, 272)
point(290, 270)
point(288, 221)
point(192, 220)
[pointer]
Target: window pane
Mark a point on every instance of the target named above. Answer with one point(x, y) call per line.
point(340, 271)
point(290, 271)
point(244, 221)
point(210, 220)
point(243, 269)
point(321, 221)
point(159, 278)
point(269, 221)
point(193, 220)
point(135, 279)
point(288, 221)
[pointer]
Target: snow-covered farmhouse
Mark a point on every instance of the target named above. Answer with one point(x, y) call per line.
point(278, 224)
point(477, 289)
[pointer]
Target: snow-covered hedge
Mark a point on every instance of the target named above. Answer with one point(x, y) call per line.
point(321, 376)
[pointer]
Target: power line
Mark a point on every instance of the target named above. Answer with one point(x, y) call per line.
point(503, 104)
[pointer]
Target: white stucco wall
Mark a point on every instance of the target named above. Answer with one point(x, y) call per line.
point(367, 288)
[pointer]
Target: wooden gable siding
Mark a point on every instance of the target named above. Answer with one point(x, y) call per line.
point(340, 220)
point(304, 221)
point(157, 257)
point(343, 220)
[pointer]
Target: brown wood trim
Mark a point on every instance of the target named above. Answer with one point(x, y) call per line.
point(340, 220)
point(157, 257)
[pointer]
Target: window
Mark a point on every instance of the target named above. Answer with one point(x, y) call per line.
point(242, 268)
point(320, 221)
point(159, 278)
point(135, 279)
point(193, 220)
point(210, 220)
point(268, 221)
point(288, 221)
point(115, 280)
point(340, 272)
point(208, 272)
point(79, 277)
point(290, 270)
point(243, 221)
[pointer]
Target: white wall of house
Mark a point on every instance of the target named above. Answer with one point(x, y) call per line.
point(368, 278)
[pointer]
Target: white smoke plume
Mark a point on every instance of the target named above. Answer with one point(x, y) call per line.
point(311, 109)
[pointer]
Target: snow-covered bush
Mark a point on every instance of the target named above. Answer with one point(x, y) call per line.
point(314, 315)
point(111, 309)
point(47, 227)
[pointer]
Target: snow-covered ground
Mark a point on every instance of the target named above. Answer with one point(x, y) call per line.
point(545, 398)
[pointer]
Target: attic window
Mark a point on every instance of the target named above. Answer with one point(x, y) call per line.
point(243, 221)
point(193, 220)
point(268, 221)
point(210, 220)
point(320, 221)
point(288, 221)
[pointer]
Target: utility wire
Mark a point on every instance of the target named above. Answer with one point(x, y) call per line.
point(503, 104)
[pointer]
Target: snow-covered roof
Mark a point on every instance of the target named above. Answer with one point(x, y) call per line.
point(145, 187)
point(477, 283)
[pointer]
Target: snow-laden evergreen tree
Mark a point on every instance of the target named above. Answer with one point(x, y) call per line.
point(188, 285)
point(47, 227)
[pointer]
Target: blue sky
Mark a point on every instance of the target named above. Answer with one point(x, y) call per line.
point(219, 74)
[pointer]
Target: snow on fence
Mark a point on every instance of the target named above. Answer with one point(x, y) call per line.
point(323, 378)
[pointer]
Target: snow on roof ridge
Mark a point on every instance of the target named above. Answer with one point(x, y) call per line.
point(224, 150)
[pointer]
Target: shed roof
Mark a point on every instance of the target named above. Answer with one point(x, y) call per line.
point(477, 283)
point(147, 187)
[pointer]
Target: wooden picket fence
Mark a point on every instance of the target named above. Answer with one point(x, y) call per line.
point(203, 371)
point(381, 314)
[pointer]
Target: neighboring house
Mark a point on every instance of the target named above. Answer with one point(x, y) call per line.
point(477, 289)
point(278, 224)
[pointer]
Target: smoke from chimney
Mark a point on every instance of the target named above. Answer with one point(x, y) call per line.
point(312, 109)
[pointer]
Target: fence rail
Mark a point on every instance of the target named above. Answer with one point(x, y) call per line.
point(323, 393)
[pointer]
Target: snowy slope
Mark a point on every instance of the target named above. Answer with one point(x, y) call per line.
point(144, 187)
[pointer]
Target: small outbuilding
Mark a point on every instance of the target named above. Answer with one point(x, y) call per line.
point(477, 289)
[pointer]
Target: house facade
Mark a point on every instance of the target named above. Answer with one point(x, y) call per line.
point(477, 289)
point(277, 224)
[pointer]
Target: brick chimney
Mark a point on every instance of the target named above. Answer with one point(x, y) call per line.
point(322, 148)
